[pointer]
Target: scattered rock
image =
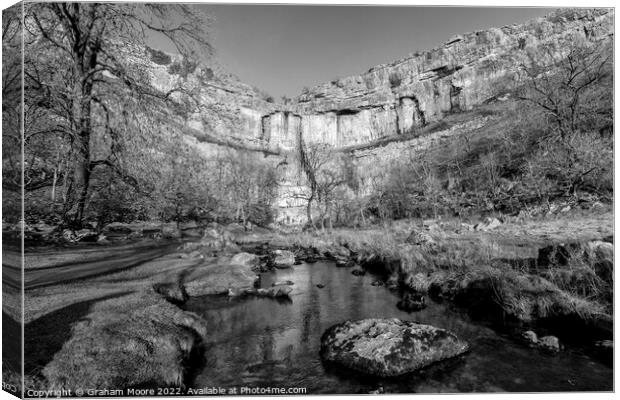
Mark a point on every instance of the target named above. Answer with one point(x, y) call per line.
point(488, 224)
point(549, 343)
point(377, 283)
point(283, 283)
point(392, 282)
point(358, 271)
point(530, 337)
point(388, 347)
point(378, 390)
point(420, 239)
point(173, 292)
point(280, 291)
point(41, 227)
point(337, 252)
point(605, 344)
point(273, 292)
point(345, 263)
point(247, 260)
point(283, 259)
point(69, 236)
point(411, 302)
point(467, 227)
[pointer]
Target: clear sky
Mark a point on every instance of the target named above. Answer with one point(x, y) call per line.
point(281, 49)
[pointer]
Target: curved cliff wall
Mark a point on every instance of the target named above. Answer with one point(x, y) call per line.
point(397, 98)
point(385, 102)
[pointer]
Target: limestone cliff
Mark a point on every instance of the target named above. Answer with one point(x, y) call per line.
point(387, 102)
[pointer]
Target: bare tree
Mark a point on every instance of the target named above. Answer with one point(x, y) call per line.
point(80, 68)
point(324, 172)
point(557, 83)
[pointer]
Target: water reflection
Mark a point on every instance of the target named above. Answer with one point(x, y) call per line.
point(262, 342)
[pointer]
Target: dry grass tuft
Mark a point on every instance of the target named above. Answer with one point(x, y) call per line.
point(131, 341)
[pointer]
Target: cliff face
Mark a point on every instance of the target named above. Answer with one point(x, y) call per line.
point(386, 102)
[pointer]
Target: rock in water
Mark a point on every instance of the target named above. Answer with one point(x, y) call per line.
point(246, 259)
point(412, 302)
point(280, 291)
point(283, 258)
point(530, 337)
point(388, 347)
point(549, 343)
point(173, 292)
point(358, 271)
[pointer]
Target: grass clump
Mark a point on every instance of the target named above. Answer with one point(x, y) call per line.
point(139, 340)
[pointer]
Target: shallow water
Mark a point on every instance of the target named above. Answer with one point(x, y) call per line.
point(260, 342)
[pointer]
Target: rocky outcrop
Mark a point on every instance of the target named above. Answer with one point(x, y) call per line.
point(388, 347)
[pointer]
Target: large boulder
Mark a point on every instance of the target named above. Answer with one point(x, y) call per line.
point(388, 347)
point(283, 259)
point(246, 259)
point(219, 278)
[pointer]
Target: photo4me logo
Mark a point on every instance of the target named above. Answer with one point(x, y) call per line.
point(245, 390)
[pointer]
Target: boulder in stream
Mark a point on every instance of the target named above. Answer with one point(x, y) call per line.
point(173, 292)
point(388, 347)
point(549, 343)
point(283, 259)
point(411, 302)
point(219, 278)
point(281, 291)
point(247, 260)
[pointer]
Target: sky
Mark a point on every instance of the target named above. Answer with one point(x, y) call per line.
point(281, 49)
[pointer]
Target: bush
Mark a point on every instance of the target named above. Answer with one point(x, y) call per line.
point(183, 68)
point(581, 163)
point(159, 57)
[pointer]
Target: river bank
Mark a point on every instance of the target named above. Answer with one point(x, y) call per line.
point(543, 274)
point(493, 275)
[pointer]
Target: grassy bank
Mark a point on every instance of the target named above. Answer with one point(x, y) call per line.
point(527, 278)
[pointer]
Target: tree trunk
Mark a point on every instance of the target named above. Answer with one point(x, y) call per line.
point(309, 211)
point(78, 189)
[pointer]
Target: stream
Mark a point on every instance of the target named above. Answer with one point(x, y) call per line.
point(262, 342)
